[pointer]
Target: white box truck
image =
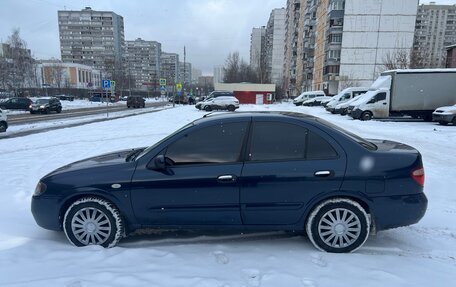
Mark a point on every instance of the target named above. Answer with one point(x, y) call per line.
point(414, 92)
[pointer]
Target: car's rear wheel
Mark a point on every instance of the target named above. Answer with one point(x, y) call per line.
point(93, 221)
point(338, 226)
point(231, 108)
point(59, 110)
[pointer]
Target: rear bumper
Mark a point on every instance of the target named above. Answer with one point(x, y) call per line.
point(396, 211)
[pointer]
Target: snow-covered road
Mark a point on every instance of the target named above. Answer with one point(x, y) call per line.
point(420, 255)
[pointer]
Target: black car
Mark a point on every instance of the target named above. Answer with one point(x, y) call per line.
point(242, 171)
point(66, 98)
point(16, 104)
point(46, 105)
point(136, 102)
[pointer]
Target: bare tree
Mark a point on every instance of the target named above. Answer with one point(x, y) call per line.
point(231, 68)
point(399, 59)
point(19, 63)
point(57, 75)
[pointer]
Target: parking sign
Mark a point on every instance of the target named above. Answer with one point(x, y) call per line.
point(106, 84)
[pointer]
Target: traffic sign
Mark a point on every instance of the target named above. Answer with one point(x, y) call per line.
point(179, 87)
point(162, 82)
point(113, 84)
point(106, 84)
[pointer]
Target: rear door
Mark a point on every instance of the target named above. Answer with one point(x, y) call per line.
point(288, 165)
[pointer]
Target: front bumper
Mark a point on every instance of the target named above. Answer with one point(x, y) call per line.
point(331, 110)
point(338, 111)
point(448, 118)
point(396, 211)
point(46, 212)
point(356, 113)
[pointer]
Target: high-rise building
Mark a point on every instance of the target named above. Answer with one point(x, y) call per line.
point(93, 38)
point(292, 16)
point(219, 74)
point(170, 67)
point(257, 41)
point(435, 30)
point(185, 73)
point(196, 73)
point(142, 62)
point(274, 45)
point(346, 42)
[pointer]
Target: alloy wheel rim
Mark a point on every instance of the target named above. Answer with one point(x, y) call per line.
point(91, 226)
point(339, 228)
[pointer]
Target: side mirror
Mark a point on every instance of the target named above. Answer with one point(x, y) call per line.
point(160, 162)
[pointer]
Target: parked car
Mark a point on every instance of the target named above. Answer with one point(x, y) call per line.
point(342, 108)
point(124, 98)
point(3, 121)
point(325, 101)
point(246, 171)
point(307, 95)
point(214, 94)
point(344, 96)
point(445, 115)
point(316, 101)
point(66, 98)
point(229, 103)
point(46, 105)
point(136, 102)
point(16, 104)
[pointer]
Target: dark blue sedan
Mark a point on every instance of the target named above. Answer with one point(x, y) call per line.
point(241, 171)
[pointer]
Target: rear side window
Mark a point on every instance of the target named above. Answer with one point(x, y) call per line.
point(318, 147)
point(283, 141)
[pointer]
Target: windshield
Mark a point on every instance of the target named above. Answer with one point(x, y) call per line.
point(42, 101)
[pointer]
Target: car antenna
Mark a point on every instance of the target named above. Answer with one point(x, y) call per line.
point(206, 115)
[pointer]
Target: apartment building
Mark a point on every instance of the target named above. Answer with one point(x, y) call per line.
point(185, 73)
point(346, 42)
point(170, 67)
point(142, 61)
point(274, 45)
point(435, 30)
point(257, 47)
point(92, 38)
point(292, 21)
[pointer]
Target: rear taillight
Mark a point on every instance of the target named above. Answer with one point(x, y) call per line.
point(418, 175)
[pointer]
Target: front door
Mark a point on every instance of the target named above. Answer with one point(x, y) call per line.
point(288, 165)
point(200, 184)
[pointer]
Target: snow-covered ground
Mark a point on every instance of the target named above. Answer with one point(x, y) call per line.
point(420, 255)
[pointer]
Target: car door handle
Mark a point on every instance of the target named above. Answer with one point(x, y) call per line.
point(226, 178)
point(322, 173)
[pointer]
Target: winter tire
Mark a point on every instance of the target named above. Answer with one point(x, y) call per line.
point(93, 221)
point(366, 116)
point(231, 108)
point(338, 226)
point(3, 127)
point(59, 110)
point(208, 108)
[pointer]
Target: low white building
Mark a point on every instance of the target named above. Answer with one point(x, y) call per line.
point(56, 74)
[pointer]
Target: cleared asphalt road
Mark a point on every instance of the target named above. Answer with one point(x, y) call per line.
point(27, 118)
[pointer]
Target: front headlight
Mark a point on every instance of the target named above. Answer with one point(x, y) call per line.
point(42, 106)
point(40, 189)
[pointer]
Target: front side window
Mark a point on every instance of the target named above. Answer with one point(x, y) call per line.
point(220, 143)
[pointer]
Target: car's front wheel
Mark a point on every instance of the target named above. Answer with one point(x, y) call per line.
point(338, 225)
point(93, 221)
point(208, 108)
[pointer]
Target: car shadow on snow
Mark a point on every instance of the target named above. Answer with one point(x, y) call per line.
point(144, 238)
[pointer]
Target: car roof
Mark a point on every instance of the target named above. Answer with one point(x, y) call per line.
point(260, 114)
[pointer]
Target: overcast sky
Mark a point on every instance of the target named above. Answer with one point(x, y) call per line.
point(210, 29)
